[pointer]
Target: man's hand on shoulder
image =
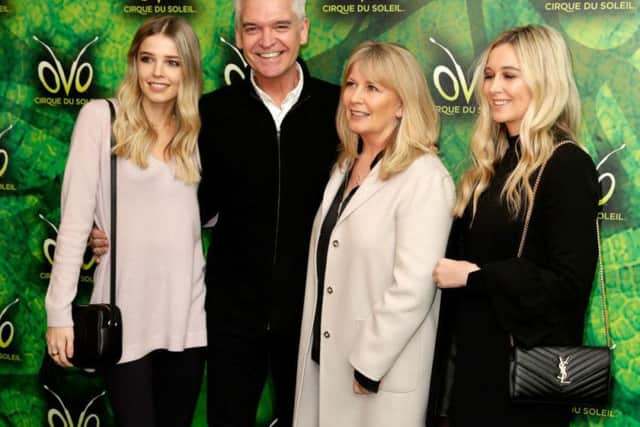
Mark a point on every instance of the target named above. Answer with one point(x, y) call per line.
point(99, 243)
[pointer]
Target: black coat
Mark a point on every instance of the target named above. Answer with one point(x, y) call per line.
point(540, 298)
point(265, 188)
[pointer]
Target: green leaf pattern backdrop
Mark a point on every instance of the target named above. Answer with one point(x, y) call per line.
point(55, 55)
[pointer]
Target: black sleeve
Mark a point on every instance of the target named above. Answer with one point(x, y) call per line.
point(366, 382)
point(207, 197)
point(455, 242)
point(532, 294)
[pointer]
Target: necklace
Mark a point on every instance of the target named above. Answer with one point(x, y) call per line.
point(360, 171)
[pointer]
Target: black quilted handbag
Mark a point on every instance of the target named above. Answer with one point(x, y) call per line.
point(574, 375)
point(565, 375)
point(97, 328)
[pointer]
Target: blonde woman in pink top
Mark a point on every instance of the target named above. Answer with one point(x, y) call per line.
point(160, 265)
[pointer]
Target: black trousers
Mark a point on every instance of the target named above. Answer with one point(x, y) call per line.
point(161, 389)
point(237, 368)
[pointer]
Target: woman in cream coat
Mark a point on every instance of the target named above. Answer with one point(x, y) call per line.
point(371, 307)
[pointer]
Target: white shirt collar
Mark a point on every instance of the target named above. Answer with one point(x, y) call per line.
point(279, 113)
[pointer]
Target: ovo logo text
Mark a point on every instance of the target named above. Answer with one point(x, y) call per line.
point(458, 79)
point(67, 421)
point(4, 156)
point(233, 68)
point(60, 77)
point(6, 326)
point(608, 176)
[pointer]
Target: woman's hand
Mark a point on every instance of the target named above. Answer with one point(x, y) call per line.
point(358, 389)
point(449, 273)
point(60, 345)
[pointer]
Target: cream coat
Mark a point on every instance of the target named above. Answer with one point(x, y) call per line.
point(381, 315)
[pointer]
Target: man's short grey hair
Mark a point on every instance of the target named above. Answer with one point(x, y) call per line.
point(298, 7)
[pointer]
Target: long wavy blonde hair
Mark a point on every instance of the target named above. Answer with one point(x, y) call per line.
point(395, 68)
point(553, 115)
point(133, 132)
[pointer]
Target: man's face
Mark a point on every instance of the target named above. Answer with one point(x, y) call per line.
point(270, 35)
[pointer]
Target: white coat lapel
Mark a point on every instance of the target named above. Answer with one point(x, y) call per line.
point(371, 185)
point(335, 180)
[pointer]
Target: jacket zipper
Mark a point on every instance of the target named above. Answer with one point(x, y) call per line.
point(277, 226)
point(278, 132)
point(277, 231)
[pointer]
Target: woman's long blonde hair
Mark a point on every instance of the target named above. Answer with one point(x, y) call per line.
point(553, 115)
point(132, 129)
point(395, 68)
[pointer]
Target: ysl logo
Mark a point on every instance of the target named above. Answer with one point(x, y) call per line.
point(66, 419)
point(6, 325)
point(4, 156)
point(233, 68)
point(608, 176)
point(49, 246)
point(458, 80)
point(562, 365)
point(59, 74)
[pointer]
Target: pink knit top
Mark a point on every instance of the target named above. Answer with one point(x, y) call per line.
point(160, 266)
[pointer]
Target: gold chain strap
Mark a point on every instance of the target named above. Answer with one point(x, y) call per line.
point(603, 292)
point(525, 230)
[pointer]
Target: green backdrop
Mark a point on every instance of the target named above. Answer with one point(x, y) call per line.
point(56, 55)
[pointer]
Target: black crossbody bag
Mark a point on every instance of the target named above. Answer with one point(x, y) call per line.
point(97, 328)
point(565, 375)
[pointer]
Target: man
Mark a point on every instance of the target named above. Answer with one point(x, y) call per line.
point(267, 145)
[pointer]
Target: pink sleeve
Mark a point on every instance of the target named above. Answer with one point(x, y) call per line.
point(79, 189)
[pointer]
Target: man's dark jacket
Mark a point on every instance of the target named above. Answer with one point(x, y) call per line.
point(266, 187)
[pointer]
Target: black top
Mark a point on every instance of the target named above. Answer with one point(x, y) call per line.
point(265, 187)
point(333, 214)
point(336, 208)
point(540, 298)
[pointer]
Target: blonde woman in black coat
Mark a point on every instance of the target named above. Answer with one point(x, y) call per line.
point(529, 103)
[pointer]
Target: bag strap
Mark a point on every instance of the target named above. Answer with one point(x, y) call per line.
point(525, 229)
point(114, 192)
point(527, 218)
point(603, 293)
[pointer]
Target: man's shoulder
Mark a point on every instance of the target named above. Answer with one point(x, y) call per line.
point(323, 86)
point(222, 93)
point(228, 96)
point(326, 95)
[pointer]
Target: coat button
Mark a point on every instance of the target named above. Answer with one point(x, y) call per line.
point(335, 243)
point(329, 290)
point(326, 334)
